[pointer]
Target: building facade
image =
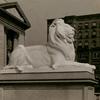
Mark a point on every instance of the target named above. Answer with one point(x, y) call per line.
point(87, 41)
point(87, 38)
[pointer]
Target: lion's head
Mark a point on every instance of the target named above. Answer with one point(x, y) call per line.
point(61, 37)
point(58, 29)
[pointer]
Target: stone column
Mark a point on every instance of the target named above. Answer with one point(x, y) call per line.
point(2, 46)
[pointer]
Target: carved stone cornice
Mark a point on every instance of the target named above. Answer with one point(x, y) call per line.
point(9, 19)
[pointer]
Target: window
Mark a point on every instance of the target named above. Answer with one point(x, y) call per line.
point(86, 44)
point(86, 25)
point(94, 43)
point(79, 44)
point(86, 34)
point(96, 55)
point(80, 35)
point(94, 33)
point(80, 26)
point(94, 25)
point(83, 56)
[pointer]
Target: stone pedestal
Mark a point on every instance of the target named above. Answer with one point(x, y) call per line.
point(77, 85)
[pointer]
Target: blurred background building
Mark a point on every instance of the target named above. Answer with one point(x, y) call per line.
point(87, 40)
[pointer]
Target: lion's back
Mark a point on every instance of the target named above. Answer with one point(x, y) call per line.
point(39, 55)
point(33, 55)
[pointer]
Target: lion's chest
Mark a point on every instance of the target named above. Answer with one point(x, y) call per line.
point(70, 52)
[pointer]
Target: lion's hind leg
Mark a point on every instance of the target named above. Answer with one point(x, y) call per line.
point(18, 57)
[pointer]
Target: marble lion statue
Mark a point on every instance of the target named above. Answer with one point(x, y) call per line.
point(59, 50)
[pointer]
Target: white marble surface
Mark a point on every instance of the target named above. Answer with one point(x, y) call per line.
point(57, 55)
point(30, 69)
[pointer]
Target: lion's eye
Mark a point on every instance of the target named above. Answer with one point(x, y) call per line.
point(54, 23)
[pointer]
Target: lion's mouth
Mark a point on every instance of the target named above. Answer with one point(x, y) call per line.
point(70, 36)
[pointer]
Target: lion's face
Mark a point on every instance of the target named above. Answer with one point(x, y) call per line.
point(63, 31)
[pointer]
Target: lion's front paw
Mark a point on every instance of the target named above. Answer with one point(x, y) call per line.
point(54, 66)
point(91, 66)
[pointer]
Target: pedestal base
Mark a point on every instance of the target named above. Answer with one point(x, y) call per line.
point(47, 86)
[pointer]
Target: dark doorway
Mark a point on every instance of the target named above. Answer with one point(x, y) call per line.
point(10, 37)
